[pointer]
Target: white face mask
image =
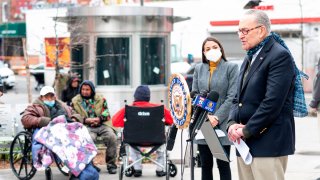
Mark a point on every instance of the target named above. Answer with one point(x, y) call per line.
point(213, 55)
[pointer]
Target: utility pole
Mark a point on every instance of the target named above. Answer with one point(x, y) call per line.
point(301, 37)
point(26, 59)
point(57, 68)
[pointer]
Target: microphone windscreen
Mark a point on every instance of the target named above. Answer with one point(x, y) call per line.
point(213, 96)
point(203, 93)
point(172, 137)
point(193, 94)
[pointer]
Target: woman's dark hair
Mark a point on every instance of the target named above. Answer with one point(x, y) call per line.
point(204, 59)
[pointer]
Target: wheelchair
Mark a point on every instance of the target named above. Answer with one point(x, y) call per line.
point(143, 127)
point(20, 158)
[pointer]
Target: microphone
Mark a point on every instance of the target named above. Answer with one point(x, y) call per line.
point(208, 105)
point(196, 109)
point(193, 94)
point(173, 129)
point(172, 137)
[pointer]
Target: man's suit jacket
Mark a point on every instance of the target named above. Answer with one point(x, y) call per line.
point(265, 102)
point(223, 81)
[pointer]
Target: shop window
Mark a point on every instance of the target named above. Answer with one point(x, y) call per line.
point(153, 54)
point(11, 47)
point(112, 61)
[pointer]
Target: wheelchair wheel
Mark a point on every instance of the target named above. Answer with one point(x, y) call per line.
point(60, 165)
point(172, 169)
point(121, 172)
point(129, 172)
point(21, 156)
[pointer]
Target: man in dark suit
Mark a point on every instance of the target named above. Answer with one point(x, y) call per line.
point(262, 111)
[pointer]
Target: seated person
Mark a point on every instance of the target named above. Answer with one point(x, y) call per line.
point(93, 108)
point(40, 113)
point(141, 99)
point(71, 90)
point(45, 108)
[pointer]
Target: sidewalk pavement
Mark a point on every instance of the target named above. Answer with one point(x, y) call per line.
point(303, 165)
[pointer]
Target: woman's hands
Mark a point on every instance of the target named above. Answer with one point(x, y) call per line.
point(213, 120)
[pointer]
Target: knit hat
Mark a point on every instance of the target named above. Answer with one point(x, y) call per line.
point(142, 93)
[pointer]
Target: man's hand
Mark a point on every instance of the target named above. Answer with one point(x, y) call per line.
point(235, 132)
point(93, 121)
point(213, 120)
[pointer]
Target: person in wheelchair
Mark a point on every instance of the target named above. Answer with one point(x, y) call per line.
point(141, 99)
point(47, 110)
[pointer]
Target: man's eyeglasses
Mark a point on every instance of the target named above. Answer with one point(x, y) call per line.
point(246, 31)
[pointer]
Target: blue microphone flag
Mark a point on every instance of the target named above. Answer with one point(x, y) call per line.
point(204, 103)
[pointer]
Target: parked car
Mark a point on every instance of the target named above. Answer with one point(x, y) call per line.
point(179, 67)
point(38, 72)
point(189, 74)
point(8, 78)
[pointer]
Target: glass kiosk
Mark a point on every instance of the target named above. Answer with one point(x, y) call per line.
point(121, 47)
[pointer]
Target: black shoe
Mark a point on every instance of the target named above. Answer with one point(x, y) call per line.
point(137, 173)
point(112, 168)
point(160, 173)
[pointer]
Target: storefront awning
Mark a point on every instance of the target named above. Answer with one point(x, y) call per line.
point(13, 30)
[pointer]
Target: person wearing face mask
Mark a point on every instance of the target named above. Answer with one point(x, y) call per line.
point(45, 108)
point(94, 110)
point(40, 113)
point(215, 73)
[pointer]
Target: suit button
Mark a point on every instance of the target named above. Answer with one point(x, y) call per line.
point(240, 104)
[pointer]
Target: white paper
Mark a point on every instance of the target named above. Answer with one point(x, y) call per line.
point(220, 133)
point(199, 135)
point(243, 150)
point(156, 70)
point(106, 74)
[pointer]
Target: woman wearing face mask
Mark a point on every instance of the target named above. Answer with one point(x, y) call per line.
point(215, 73)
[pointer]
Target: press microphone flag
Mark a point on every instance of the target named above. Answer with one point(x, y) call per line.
point(196, 109)
point(208, 105)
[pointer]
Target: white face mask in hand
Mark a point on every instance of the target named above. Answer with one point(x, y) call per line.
point(213, 55)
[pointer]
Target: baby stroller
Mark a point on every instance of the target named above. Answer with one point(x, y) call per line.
point(143, 127)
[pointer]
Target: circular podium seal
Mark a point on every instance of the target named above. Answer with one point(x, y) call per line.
point(179, 100)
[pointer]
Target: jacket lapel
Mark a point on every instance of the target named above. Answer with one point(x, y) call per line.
point(257, 62)
point(242, 71)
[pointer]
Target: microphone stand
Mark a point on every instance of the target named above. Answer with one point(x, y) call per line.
point(192, 159)
point(192, 135)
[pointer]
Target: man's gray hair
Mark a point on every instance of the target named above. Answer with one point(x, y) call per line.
point(261, 18)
